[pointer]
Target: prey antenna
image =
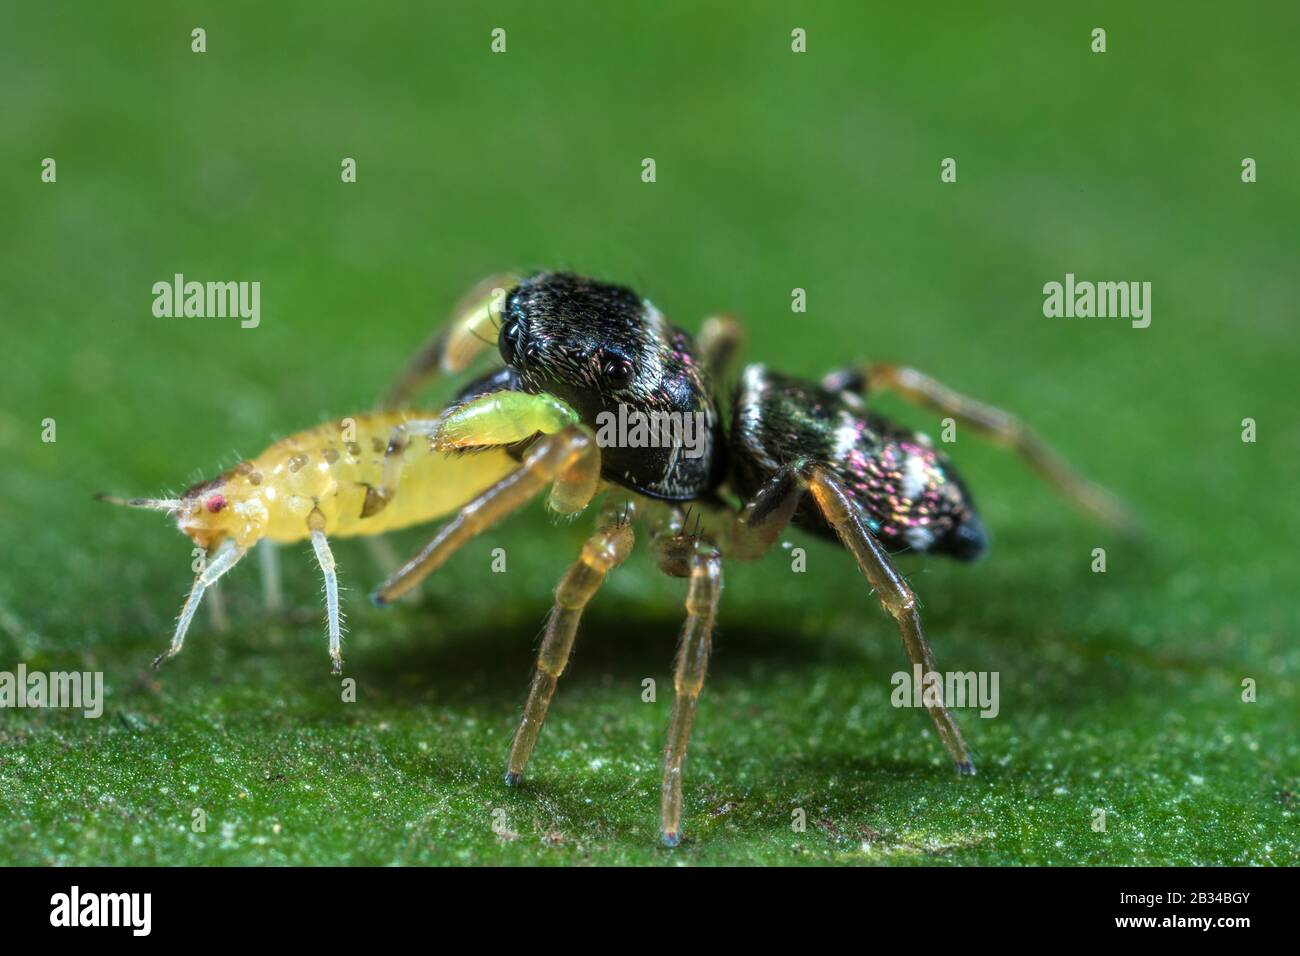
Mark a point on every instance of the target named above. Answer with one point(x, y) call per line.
point(149, 504)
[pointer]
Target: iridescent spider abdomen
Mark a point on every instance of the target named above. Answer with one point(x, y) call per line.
point(911, 494)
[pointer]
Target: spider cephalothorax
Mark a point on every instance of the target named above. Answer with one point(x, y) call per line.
point(609, 354)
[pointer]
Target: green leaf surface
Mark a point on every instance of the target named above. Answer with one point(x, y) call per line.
point(1119, 691)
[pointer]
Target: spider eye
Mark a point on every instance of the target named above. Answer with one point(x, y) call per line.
point(511, 340)
point(215, 503)
point(615, 371)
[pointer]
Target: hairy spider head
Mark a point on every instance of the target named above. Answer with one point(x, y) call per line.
point(613, 358)
point(596, 345)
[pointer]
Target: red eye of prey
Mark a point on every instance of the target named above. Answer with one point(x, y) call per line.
point(215, 503)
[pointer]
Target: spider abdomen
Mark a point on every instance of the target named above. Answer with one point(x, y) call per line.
point(911, 496)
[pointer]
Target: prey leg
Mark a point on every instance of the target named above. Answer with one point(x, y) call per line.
point(272, 592)
point(381, 551)
point(469, 332)
point(704, 567)
point(891, 590)
point(217, 617)
point(225, 557)
point(325, 558)
point(603, 552)
point(999, 427)
point(570, 458)
point(394, 459)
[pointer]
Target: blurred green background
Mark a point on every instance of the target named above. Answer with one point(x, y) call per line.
point(1120, 691)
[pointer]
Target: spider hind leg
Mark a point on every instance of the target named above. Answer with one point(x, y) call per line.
point(999, 427)
point(893, 592)
point(761, 521)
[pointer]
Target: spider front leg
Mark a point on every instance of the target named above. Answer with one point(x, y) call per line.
point(492, 419)
point(567, 459)
point(701, 562)
point(998, 426)
point(470, 331)
point(603, 552)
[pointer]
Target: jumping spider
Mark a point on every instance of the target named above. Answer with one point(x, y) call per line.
point(794, 452)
